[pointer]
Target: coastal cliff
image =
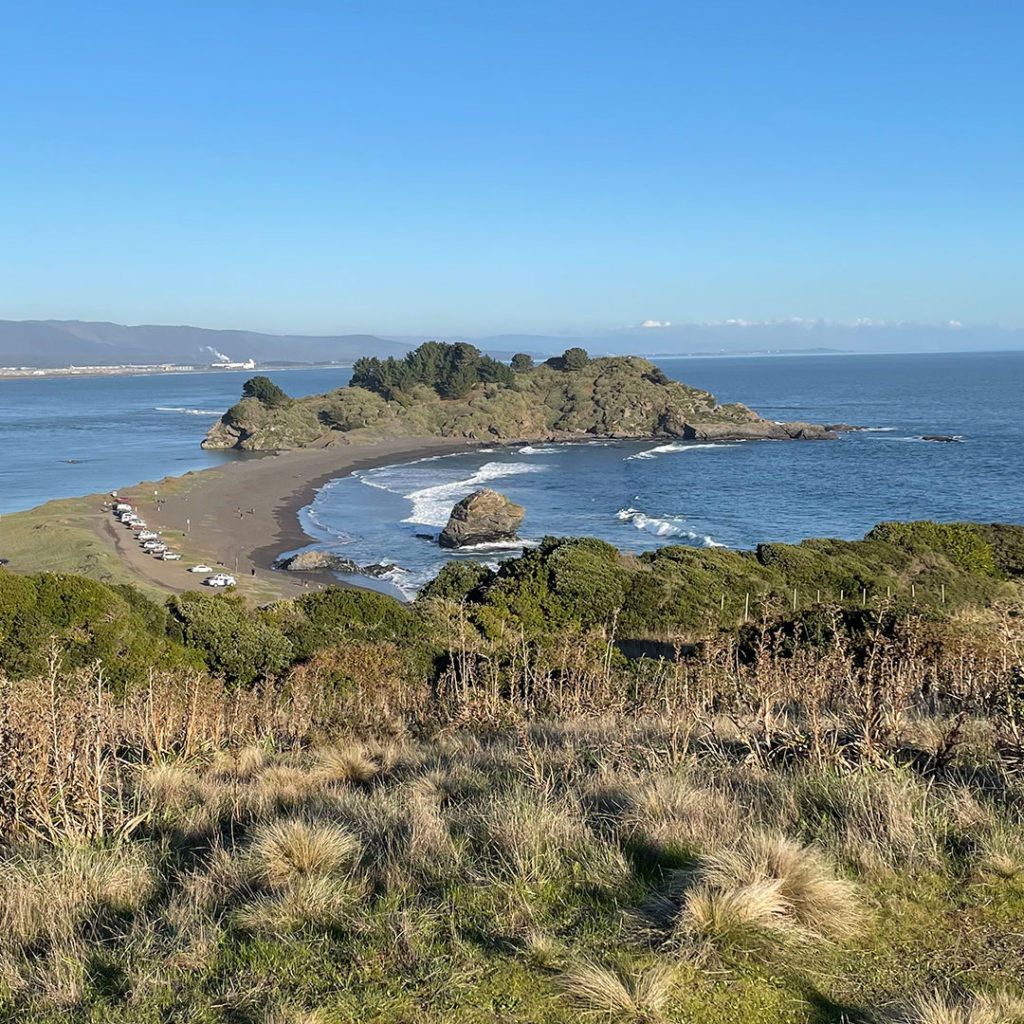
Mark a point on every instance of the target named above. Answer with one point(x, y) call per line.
point(556, 401)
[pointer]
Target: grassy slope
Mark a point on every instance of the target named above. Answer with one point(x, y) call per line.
point(468, 881)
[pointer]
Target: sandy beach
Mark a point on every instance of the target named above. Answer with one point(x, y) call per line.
point(239, 516)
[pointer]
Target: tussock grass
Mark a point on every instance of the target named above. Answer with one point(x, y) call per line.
point(477, 868)
point(352, 765)
point(983, 1008)
point(319, 902)
point(767, 883)
point(642, 995)
point(292, 849)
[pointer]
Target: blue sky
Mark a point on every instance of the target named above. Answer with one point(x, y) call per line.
point(430, 167)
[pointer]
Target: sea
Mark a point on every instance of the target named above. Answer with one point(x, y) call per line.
point(61, 437)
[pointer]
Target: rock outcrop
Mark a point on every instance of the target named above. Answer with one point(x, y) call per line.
point(314, 560)
point(483, 517)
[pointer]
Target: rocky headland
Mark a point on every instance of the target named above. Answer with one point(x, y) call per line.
point(449, 392)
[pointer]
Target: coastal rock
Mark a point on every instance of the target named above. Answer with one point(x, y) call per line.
point(314, 560)
point(483, 517)
point(942, 439)
point(837, 428)
point(755, 430)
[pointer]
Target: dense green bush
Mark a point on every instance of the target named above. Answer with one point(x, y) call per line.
point(232, 641)
point(85, 622)
point(961, 543)
point(456, 580)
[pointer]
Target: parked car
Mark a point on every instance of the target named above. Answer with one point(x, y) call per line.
point(150, 545)
point(157, 548)
point(171, 556)
point(201, 568)
point(148, 535)
point(220, 579)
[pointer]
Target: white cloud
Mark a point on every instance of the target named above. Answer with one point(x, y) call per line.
point(656, 323)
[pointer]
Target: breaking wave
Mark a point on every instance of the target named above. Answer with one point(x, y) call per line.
point(664, 449)
point(188, 412)
point(669, 526)
point(529, 449)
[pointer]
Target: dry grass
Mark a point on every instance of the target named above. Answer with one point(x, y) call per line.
point(766, 883)
point(292, 849)
point(352, 765)
point(640, 996)
point(983, 1008)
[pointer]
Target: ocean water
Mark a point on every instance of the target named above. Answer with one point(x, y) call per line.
point(63, 437)
point(642, 495)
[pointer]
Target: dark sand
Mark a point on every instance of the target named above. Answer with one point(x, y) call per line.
point(244, 514)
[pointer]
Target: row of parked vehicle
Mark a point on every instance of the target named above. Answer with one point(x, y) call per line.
point(150, 542)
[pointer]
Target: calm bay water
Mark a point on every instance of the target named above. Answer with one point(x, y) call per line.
point(63, 437)
point(66, 436)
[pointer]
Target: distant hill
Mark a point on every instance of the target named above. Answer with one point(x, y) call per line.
point(55, 343)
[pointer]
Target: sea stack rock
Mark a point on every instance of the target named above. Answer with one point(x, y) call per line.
point(483, 517)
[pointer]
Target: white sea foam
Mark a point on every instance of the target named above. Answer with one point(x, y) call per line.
point(431, 506)
point(506, 545)
point(528, 449)
point(188, 412)
point(669, 526)
point(665, 449)
point(877, 430)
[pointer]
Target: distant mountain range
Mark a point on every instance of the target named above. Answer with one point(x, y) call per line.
point(57, 343)
point(771, 337)
point(47, 344)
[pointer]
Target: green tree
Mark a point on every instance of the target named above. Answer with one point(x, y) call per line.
point(521, 362)
point(366, 373)
point(265, 391)
point(491, 371)
point(232, 641)
point(460, 373)
point(574, 359)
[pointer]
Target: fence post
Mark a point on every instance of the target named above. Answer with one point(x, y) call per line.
point(746, 606)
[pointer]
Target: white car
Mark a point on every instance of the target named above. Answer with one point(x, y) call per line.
point(220, 579)
point(201, 568)
point(150, 545)
point(171, 556)
point(157, 549)
point(148, 535)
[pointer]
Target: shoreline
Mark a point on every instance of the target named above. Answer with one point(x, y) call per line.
point(239, 516)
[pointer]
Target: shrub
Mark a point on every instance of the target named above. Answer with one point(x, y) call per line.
point(521, 362)
point(961, 543)
point(232, 641)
